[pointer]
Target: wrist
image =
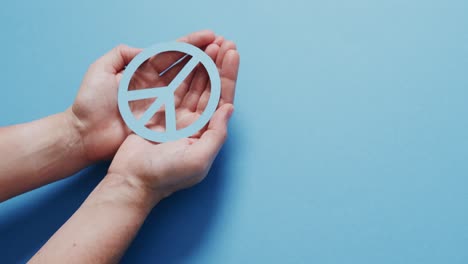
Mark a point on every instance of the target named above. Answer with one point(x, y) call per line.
point(129, 190)
point(75, 132)
point(100, 136)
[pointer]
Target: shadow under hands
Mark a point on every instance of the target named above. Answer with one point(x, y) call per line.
point(28, 227)
point(178, 225)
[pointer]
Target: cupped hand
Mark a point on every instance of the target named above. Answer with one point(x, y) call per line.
point(168, 167)
point(95, 112)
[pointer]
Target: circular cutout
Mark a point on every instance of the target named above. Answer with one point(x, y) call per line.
point(165, 95)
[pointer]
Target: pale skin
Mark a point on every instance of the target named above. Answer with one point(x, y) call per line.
point(142, 173)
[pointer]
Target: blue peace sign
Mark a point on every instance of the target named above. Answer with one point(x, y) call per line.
point(165, 95)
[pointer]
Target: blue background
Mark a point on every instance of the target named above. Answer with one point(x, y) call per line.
point(349, 142)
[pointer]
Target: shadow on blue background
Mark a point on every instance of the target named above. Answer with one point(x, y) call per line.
point(176, 226)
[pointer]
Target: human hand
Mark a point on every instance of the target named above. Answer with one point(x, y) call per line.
point(162, 169)
point(95, 112)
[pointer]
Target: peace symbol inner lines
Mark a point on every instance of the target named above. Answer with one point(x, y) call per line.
point(164, 96)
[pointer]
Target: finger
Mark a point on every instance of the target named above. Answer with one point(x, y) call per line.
point(115, 60)
point(180, 91)
point(204, 98)
point(172, 72)
point(149, 72)
point(199, 82)
point(227, 45)
point(219, 40)
point(199, 39)
point(229, 72)
point(212, 140)
point(143, 79)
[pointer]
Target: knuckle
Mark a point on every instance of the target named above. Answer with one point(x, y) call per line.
point(231, 44)
point(208, 31)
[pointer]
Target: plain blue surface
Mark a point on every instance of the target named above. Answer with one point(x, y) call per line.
point(349, 142)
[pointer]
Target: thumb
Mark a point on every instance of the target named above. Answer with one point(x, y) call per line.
point(221, 117)
point(115, 60)
point(213, 139)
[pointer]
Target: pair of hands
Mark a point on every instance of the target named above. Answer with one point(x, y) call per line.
point(160, 168)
